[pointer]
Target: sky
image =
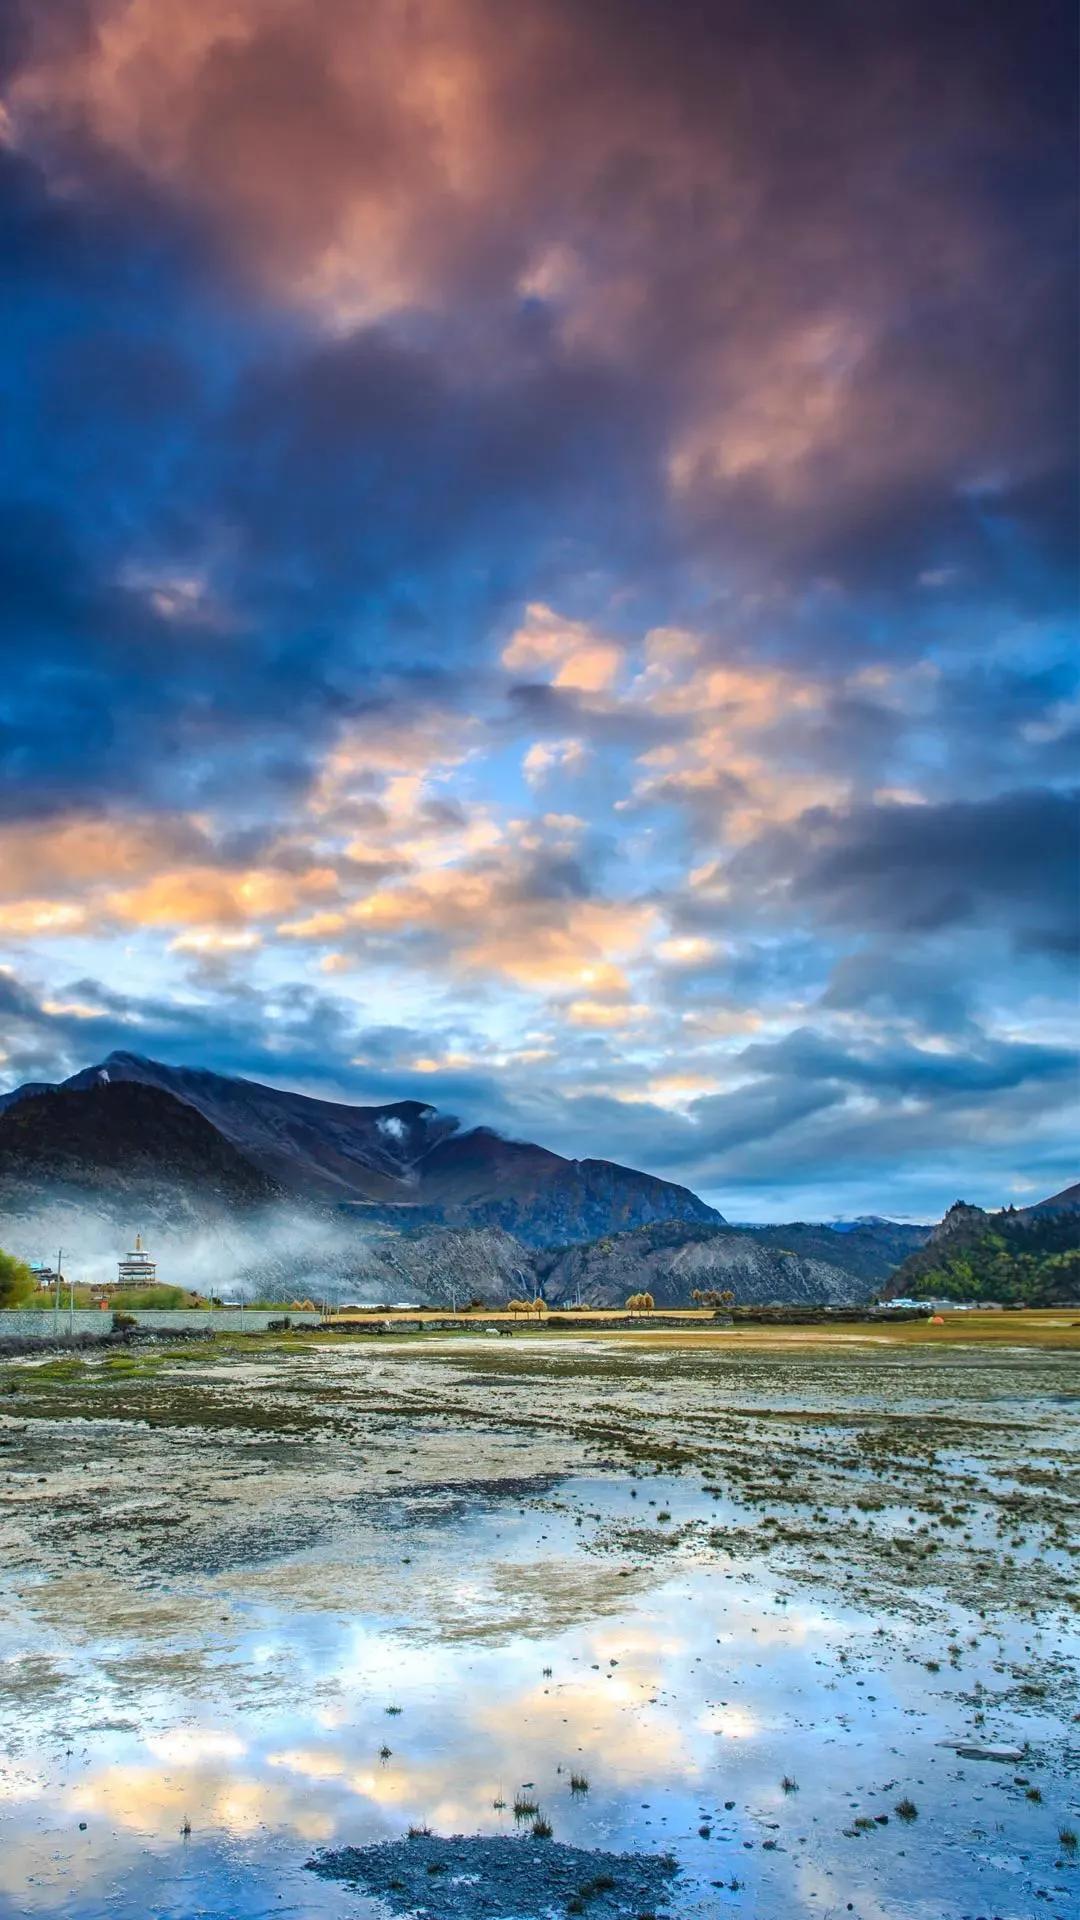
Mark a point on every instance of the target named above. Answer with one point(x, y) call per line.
point(536, 547)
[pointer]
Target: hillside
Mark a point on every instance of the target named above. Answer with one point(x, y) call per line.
point(541, 1198)
point(436, 1266)
point(1022, 1256)
point(130, 1153)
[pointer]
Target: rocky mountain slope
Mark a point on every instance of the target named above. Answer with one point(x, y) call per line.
point(671, 1260)
point(406, 1163)
point(869, 1250)
point(431, 1266)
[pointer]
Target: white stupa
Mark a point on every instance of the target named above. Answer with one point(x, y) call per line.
point(136, 1269)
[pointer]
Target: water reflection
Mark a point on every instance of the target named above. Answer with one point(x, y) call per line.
point(301, 1719)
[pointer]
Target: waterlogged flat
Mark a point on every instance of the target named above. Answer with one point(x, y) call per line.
point(733, 1606)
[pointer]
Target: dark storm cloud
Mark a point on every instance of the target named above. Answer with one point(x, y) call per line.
point(804, 1057)
point(369, 459)
point(859, 218)
point(333, 342)
point(1008, 862)
point(879, 982)
point(925, 1154)
point(260, 522)
point(763, 1144)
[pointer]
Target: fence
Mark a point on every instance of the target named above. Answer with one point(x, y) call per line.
point(38, 1321)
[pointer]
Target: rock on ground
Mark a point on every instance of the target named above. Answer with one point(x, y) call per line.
point(500, 1877)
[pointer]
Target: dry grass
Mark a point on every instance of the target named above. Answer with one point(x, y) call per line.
point(1051, 1327)
point(1056, 1327)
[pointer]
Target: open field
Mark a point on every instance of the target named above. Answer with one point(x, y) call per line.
point(750, 1592)
point(1054, 1327)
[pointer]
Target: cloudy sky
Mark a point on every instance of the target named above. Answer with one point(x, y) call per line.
point(535, 547)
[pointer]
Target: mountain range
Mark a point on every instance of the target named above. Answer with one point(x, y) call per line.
point(256, 1187)
point(398, 1165)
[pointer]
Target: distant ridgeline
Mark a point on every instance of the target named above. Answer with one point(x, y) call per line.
point(1024, 1257)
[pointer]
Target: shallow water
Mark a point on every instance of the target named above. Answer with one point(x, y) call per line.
point(230, 1660)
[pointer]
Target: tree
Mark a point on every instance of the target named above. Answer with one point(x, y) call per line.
point(16, 1280)
point(640, 1303)
point(710, 1297)
point(517, 1306)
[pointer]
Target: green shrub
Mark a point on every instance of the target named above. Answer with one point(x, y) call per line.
point(16, 1280)
point(128, 1297)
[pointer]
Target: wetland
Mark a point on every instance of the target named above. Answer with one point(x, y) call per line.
point(673, 1624)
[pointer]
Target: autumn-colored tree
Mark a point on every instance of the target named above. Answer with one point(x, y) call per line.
point(710, 1297)
point(640, 1303)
